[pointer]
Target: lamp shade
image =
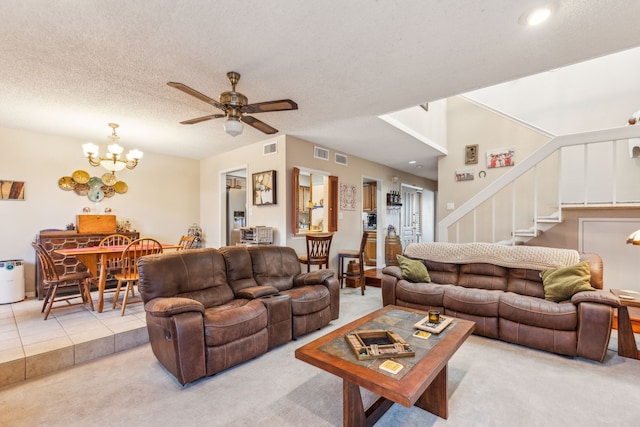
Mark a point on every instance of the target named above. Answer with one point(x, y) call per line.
point(634, 238)
point(233, 127)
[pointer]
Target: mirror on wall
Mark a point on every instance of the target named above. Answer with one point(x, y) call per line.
point(315, 202)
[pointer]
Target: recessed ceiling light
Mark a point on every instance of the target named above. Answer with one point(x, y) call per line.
point(412, 162)
point(536, 16)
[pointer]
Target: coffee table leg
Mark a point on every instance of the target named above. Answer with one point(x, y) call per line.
point(352, 407)
point(626, 342)
point(434, 398)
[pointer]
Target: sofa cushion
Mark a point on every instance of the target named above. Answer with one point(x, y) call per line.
point(479, 302)
point(483, 276)
point(232, 321)
point(538, 312)
point(560, 284)
point(525, 281)
point(274, 265)
point(442, 272)
point(239, 270)
point(413, 269)
point(308, 299)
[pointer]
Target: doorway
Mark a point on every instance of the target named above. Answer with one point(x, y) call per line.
point(370, 220)
point(234, 211)
point(411, 215)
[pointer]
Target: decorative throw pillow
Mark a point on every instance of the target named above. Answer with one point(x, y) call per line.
point(413, 270)
point(560, 284)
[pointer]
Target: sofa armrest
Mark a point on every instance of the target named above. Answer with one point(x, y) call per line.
point(254, 292)
point(597, 296)
point(315, 277)
point(393, 270)
point(167, 307)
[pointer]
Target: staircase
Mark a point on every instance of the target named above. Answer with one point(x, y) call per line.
point(586, 169)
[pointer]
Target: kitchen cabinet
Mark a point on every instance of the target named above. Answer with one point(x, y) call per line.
point(304, 198)
point(369, 197)
point(370, 249)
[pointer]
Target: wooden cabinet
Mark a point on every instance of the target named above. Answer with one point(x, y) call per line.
point(52, 240)
point(369, 197)
point(304, 198)
point(392, 247)
point(370, 249)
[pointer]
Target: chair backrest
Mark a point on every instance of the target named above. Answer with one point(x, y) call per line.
point(318, 247)
point(115, 240)
point(136, 249)
point(49, 272)
point(363, 242)
point(186, 242)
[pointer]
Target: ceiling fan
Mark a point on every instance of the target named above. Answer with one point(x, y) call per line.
point(235, 107)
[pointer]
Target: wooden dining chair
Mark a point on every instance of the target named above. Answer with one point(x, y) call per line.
point(318, 247)
point(129, 273)
point(186, 242)
point(353, 254)
point(53, 282)
point(114, 265)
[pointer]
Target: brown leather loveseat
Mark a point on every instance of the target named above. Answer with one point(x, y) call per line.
point(210, 309)
point(501, 289)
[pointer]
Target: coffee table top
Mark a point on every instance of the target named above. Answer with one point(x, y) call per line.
point(628, 298)
point(333, 354)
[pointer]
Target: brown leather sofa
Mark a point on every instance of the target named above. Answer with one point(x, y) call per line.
point(210, 309)
point(507, 302)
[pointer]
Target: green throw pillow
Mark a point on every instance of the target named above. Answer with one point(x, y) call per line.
point(413, 270)
point(560, 284)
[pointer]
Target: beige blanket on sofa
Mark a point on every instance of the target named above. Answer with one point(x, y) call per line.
point(532, 257)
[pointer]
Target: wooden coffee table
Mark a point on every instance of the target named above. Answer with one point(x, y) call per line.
point(627, 346)
point(422, 381)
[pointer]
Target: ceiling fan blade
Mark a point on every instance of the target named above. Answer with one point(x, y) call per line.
point(189, 91)
point(260, 125)
point(265, 107)
point(202, 119)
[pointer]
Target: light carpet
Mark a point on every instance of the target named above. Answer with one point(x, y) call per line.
point(491, 383)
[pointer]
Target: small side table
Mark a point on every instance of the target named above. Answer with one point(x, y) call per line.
point(627, 346)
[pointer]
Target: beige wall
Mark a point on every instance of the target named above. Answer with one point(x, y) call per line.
point(468, 124)
point(249, 157)
point(300, 154)
point(162, 201)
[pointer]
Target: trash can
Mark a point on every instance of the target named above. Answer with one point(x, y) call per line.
point(11, 281)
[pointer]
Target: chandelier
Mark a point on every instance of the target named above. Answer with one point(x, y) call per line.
point(111, 161)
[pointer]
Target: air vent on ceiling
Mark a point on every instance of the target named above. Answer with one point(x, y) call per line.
point(320, 153)
point(341, 159)
point(270, 148)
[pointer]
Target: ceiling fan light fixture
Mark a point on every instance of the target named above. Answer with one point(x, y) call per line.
point(233, 126)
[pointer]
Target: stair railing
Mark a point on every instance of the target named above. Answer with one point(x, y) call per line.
point(518, 170)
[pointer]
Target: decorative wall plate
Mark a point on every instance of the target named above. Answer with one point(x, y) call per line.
point(95, 182)
point(81, 189)
point(66, 183)
point(121, 187)
point(81, 177)
point(109, 191)
point(96, 194)
point(109, 178)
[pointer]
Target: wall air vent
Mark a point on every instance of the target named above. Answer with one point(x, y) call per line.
point(320, 153)
point(270, 148)
point(341, 159)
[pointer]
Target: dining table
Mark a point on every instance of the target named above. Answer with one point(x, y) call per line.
point(96, 258)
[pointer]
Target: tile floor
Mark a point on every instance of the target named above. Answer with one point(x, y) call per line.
point(31, 346)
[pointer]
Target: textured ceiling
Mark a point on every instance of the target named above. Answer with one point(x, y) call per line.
point(70, 67)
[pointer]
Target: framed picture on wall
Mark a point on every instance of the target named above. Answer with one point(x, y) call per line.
point(264, 188)
point(500, 158)
point(464, 175)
